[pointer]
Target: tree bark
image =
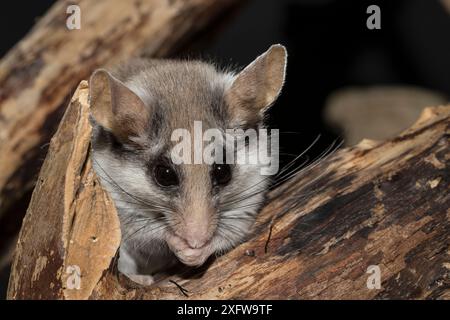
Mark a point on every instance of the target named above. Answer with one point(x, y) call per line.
point(42, 71)
point(324, 234)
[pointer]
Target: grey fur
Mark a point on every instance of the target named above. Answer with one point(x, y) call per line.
point(176, 93)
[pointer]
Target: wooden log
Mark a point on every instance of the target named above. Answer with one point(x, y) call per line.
point(376, 205)
point(39, 75)
point(53, 224)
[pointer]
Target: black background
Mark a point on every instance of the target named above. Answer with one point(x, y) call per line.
point(329, 48)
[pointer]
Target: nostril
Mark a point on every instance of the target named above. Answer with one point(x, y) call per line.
point(195, 243)
point(192, 242)
point(195, 236)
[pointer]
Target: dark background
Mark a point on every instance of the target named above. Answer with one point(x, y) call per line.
point(329, 48)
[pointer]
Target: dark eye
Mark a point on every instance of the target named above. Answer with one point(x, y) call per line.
point(221, 173)
point(165, 176)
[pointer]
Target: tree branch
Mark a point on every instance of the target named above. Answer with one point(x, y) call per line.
point(382, 204)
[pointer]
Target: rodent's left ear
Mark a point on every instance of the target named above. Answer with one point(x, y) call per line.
point(116, 108)
point(257, 87)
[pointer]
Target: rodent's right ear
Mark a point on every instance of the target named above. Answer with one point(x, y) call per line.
point(115, 107)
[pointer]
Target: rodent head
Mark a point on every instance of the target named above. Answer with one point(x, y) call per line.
point(197, 209)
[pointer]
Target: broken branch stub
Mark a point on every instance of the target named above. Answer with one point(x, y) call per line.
point(71, 230)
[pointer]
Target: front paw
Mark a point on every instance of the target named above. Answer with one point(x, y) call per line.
point(142, 279)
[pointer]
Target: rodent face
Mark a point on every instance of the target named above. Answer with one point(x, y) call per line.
point(194, 209)
point(194, 206)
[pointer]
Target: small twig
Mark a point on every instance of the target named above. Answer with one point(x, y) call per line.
point(183, 290)
point(266, 246)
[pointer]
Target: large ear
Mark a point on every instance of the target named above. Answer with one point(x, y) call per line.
point(116, 108)
point(256, 87)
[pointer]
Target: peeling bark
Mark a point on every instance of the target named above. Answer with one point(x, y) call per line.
point(71, 221)
point(382, 204)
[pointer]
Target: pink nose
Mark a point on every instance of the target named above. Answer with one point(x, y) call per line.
point(196, 241)
point(197, 228)
point(196, 235)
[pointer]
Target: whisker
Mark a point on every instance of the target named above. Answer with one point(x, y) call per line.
point(287, 176)
point(285, 168)
point(109, 179)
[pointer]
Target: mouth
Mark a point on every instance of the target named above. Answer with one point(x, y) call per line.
point(189, 256)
